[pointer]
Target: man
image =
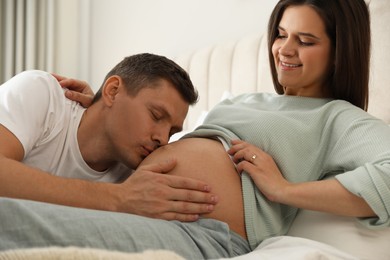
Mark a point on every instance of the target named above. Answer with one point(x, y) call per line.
point(54, 150)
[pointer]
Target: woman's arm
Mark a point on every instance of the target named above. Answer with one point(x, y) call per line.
point(327, 196)
point(323, 195)
point(78, 90)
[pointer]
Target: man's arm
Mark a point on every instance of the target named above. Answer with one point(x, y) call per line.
point(147, 192)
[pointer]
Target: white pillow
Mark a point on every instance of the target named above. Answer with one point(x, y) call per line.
point(344, 233)
point(200, 119)
point(294, 248)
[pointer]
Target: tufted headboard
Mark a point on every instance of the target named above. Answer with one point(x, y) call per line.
point(242, 66)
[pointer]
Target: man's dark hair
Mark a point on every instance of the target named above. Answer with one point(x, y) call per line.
point(143, 70)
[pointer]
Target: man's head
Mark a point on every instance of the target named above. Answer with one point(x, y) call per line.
point(142, 70)
point(143, 100)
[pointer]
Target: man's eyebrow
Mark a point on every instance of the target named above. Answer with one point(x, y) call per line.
point(302, 33)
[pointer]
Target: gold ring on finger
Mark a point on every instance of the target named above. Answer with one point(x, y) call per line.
point(253, 157)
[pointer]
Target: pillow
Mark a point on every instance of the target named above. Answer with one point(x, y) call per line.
point(200, 119)
point(344, 233)
point(294, 248)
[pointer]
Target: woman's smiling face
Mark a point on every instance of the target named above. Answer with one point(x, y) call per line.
point(302, 52)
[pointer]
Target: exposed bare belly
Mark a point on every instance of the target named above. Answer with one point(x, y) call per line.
point(207, 160)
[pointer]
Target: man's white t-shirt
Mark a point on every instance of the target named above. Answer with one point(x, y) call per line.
point(34, 108)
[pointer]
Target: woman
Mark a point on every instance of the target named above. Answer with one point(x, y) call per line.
point(284, 150)
point(305, 135)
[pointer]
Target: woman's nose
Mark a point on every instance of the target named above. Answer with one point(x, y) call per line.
point(287, 48)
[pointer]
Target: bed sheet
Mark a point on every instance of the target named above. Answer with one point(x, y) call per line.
point(294, 248)
point(282, 247)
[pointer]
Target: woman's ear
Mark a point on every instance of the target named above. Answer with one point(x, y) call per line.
point(111, 89)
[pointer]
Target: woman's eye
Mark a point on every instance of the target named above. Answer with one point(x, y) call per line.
point(306, 43)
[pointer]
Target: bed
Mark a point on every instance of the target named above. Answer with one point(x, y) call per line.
point(235, 67)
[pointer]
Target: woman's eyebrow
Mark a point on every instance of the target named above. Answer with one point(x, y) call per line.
point(301, 33)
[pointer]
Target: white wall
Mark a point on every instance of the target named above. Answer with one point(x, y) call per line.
point(67, 40)
point(108, 30)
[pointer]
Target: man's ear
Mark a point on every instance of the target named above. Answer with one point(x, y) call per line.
point(110, 89)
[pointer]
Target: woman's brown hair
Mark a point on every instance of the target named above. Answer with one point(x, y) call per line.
point(347, 24)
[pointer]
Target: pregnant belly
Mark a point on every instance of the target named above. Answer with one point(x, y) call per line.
point(206, 160)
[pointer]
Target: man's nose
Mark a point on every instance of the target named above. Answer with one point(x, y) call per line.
point(161, 138)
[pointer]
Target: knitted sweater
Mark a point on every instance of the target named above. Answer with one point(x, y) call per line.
point(309, 139)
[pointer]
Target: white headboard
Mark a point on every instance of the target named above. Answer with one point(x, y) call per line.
point(242, 66)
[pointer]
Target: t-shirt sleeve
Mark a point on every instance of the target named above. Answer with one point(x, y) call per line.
point(27, 103)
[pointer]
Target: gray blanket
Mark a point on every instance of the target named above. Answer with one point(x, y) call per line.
point(30, 224)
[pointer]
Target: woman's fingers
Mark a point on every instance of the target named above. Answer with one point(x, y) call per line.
point(84, 99)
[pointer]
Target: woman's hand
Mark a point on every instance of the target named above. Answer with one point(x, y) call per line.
point(78, 90)
point(261, 167)
point(325, 195)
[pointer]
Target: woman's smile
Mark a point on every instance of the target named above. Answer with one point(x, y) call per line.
point(289, 66)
